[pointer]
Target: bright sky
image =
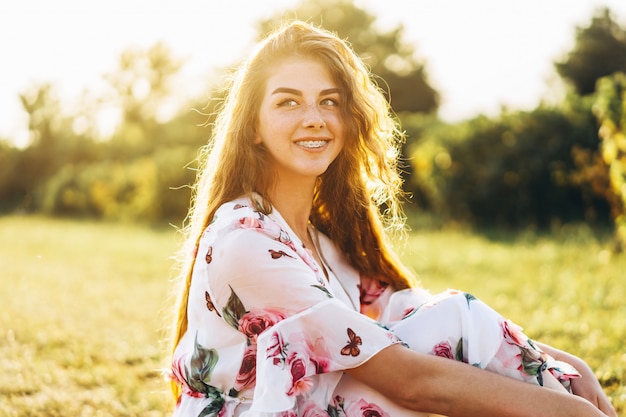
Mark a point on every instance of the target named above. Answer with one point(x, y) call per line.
point(479, 54)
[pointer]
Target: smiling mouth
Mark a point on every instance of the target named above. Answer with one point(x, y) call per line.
point(312, 144)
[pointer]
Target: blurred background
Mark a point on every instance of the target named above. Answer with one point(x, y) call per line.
point(501, 102)
point(515, 163)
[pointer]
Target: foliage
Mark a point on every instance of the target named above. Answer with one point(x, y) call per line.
point(142, 88)
point(512, 171)
point(86, 307)
point(9, 189)
point(145, 188)
point(610, 108)
point(600, 50)
point(537, 168)
point(390, 58)
point(140, 173)
point(53, 145)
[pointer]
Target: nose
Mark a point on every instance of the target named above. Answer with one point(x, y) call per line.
point(313, 117)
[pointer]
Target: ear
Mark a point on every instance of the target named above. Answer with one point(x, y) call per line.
point(257, 139)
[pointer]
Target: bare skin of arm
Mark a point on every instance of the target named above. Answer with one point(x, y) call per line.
point(587, 386)
point(432, 384)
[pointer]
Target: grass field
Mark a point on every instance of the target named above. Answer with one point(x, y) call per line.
point(84, 307)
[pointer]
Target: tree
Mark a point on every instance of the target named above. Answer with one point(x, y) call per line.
point(401, 74)
point(142, 87)
point(610, 109)
point(600, 50)
point(515, 170)
point(41, 158)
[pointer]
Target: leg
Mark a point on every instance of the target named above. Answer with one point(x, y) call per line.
point(459, 326)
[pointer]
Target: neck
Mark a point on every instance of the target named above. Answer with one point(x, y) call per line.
point(294, 200)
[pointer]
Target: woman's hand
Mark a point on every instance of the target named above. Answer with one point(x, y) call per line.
point(587, 386)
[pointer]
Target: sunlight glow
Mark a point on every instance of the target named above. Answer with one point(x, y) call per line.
point(479, 55)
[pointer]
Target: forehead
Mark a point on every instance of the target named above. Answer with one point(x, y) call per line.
point(300, 71)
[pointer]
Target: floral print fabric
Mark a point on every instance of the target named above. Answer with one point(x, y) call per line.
point(269, 335)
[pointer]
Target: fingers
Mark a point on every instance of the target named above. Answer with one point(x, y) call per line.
point(606, 407)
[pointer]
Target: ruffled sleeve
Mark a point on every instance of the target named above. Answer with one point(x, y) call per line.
point(250, 264)
point(324, 339)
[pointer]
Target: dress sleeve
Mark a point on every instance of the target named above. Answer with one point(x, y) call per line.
point(251, 269)
point(270, 290)
point(298, 352)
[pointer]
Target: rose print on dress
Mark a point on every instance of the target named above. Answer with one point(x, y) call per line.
point(252, 324)
point(363, 408)
point(255, 322)
point(444, 350)
point(209, 255)
point(259, 222)
point(336, 408)
point(311, 409)
point(300, 384)
point(300, 357)
point(277, 349)
point(247, 372)
point(533, 359)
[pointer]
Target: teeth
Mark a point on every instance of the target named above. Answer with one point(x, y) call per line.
point(312, 143)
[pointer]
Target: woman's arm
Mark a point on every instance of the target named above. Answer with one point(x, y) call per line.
point(587, 386)
point(428, 383)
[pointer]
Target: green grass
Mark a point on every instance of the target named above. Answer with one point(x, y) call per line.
point(567, 290)
point(84, 307)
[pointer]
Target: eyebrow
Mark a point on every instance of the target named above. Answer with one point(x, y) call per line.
point(299, 93)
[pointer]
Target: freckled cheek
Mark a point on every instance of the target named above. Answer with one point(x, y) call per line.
point(336, 124)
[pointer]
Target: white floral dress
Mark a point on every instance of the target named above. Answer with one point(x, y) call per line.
point(270, 335)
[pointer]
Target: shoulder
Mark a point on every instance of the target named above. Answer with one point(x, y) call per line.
point(239, 224)
point(240, 214)
point(230, 213)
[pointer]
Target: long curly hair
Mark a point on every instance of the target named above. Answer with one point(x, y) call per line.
point(356, 201)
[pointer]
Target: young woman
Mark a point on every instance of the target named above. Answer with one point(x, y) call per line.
point(293, 303)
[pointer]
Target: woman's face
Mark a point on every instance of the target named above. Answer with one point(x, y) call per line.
point(300, 120)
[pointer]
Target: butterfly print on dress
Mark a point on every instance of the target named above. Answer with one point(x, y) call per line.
point(209, 303)
point(352, 348)
point(278, 254)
